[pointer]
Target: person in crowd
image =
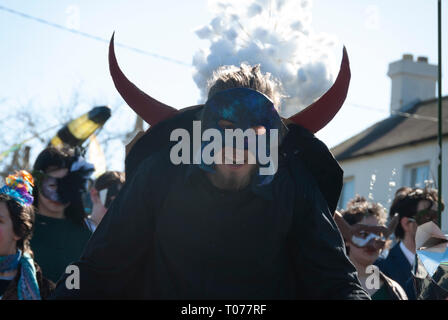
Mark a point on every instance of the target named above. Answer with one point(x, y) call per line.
point(360, 211)
point(415, 207)
point(60, 229)
point(401, 192)
point(225, 229)
point(103, 192)
point(20, 276)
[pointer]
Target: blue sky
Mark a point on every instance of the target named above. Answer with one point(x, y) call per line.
point(45, 64)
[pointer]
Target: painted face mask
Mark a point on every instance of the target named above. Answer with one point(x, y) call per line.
point(68, 188)
point(242, 108)
point(49, 188)
point(366, 236)
point(368, 239)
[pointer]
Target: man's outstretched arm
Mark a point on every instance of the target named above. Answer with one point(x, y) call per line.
point(322, 266)
point(118, 246)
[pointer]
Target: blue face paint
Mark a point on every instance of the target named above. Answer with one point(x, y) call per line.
point(244, 108)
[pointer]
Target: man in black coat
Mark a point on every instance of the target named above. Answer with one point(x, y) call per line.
point(223, 231)
point(415, 207)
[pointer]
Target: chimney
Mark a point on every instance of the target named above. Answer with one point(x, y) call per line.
point(411, 80)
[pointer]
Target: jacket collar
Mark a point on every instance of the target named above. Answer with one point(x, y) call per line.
point(398, 254)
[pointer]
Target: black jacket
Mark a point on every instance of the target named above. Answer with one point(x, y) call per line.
point(129, 248)
point(396, 266)
point(396, 292)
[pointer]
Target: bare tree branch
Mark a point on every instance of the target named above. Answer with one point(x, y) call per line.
point(28, 121)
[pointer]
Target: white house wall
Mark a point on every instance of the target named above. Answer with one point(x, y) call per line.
point(382, 166)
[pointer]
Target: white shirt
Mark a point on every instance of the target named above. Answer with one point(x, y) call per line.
point(90, 224)
point(407, 253)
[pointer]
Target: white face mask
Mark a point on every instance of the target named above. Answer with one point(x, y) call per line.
point(103, 195)
point(362, 241)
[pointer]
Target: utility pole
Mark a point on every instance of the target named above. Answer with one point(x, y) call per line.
point(439, 33)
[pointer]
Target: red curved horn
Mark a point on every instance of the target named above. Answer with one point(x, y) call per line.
point(151, 110)
point(321, 112)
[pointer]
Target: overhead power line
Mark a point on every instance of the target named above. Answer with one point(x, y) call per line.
point(93, 37)
point(399, 113)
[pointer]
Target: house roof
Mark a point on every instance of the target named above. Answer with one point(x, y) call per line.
point(414, 125)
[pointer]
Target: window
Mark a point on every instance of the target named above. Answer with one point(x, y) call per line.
point(347, 193)
point(417, 175)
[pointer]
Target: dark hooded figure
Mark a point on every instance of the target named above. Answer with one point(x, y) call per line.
point(243, 228)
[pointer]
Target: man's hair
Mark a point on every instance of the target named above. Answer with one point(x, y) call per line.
point(406, 202)
point(246, 76)
point(22, 218)
point(109, 179)
point(60, 159)
point(400, 194)
point(359, 208)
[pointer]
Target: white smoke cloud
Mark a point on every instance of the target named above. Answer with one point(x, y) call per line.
point(276, 34)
